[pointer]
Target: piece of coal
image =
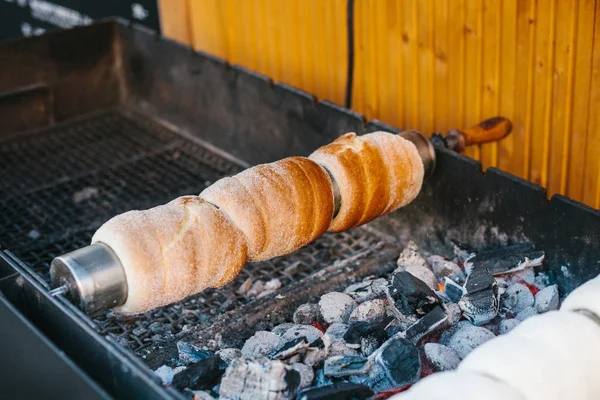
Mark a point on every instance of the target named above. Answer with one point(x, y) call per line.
point(526, 313)
point(516, 298)
point(547, 299)
point(308, 331)
point(337, 391)
point(360, 329)
point(506, 325)
point(396, 363)
point(452, 290)
point(412, 296)
point(440, 357)
point(428, 323)
point(259, 378)
point(462, 251)
point(166, 374)
point(369, 310)
point(336, 331)
point(368, 345)
point(479, 279)
point(443, 269)
point(229, 354)
point(290, 348)
point(307, 374)
point(341, 366)
point(336, 307)
point(262, 343)
point(508, 259)
point(467, 338)
point(202, 375)
point(480, 307)
point(367, 290)
point(306, 314)
point(280, 329)
point(189, 353)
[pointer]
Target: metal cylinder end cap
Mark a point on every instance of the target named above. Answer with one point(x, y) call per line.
point(93, 276)
point(425, 149)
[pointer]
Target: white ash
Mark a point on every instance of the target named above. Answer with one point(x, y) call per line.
point(410, 256)
point(516, 298)
point(265, 293)
point(257, 288)
point(258, 378)
point(340, 348)
point(308, 331)
point(84, 194)
point(369, 310)
point(307, 374)
point(262, 343)
point(245, 287)
point(467, 338)
point(336, 307)
point(443, 268)
point(506, 325)
point(279, 330)
point(34, 234)
point(526, 313)
point(367, 290)
point(454, 313)
point(229, 354)
point(306, 314)
point(440, 357)
point(424, 274)
point(547, 299)
point(202, 395)
point(336, 331)
point(273, 284)
point(166, 374)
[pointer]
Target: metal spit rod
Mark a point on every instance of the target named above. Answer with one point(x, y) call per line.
point(94, 279)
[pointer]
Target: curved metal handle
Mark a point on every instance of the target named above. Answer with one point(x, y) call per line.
point(489, 130)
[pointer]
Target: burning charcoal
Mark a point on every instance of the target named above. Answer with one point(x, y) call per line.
point(244, 287)
point(481, 300)
point(306, 314)
point(508, 259)
point(308, 331)
point(369, 311)
point(337, 391)
point(201, 375)
point(440, 357)
point(516, 298)
point(526, 313)
point(259, 378)
point(424, 274)
point(368, 345)
point(448, 333)
point(341, 366)
point(336, 307)
point(428, 323)
point(454, 313)
point(229, 354)
point(361, 329)
point(262, 343)
point(307, 374)
point(412, 296)
point(257, 288)
point(394, 364)
point(506, 325)
point(452, 290)
point(547, 299)
point(166, 374)
point(289, 349)
point(367, 290)
point(443, 269)
point(336, 331)
point(279, 330)
point(202, 395)
point(189, 353)
point(468, 338)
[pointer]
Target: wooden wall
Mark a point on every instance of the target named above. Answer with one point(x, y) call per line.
point(433, 65)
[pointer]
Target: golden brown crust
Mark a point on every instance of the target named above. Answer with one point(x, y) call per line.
point(286, 204)
point(377, 173)
point(169, 252)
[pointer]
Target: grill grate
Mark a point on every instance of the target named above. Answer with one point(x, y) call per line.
point(67, 180)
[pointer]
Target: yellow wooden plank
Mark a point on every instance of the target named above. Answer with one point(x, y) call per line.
point(562, 95)
point(174, 20)
point(581, 96)
point(492, 21)
point(208, 27)
point(441, 71)
point(411, 73)
point(508, 26)
point(473, 67)
point(591, 186)
point(425, 59)
point(456, 64)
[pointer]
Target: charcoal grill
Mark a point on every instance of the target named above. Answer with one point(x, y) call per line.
point(107, 118)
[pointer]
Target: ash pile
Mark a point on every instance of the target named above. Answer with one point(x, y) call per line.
point(379, 336)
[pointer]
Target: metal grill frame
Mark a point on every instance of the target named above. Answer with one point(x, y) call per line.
point(255, 120)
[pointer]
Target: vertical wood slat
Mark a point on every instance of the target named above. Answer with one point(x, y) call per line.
point(433, 65)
